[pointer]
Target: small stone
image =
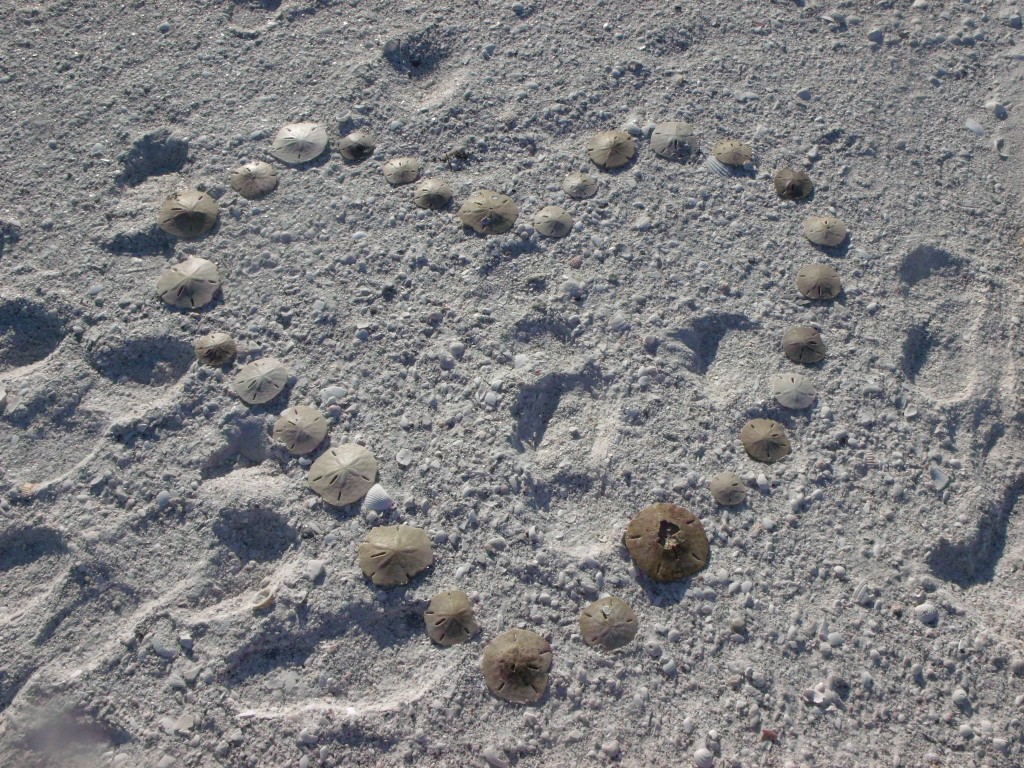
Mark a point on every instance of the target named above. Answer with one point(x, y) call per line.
point(404, 458)
point(611, 749)
point(876, 35)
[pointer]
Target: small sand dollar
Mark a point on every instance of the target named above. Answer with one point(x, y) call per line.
point(579, 186)
point(765, 440)
point(357, 146)
point(489, 212)
point(261, 380)
point(792, 185)
point(254, 180)
point(732, 152)
point(727, 489)
point(608, 623)
point(343, 474)
point(793, 390)
point(299, 142)
point(215, 349)
point(401, 170)
point(449, 618)
point(393, 554)
point(611, 149)
point(552, 221)
point(667, 542)
point(187, 214)
point(516, 664)
point(300, 429)
point(432, 194)
point(674, 140)
point(826, 231)
point(803, 344)
point(818, 281)
point(189, 284)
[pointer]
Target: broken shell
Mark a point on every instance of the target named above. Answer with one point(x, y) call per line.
point(263, 599)
point(449, 618)
point(189, 284)
point(732, 152)
point(489, 212)
point(516, 664)
point(553, 221)
point(378, 499)
point(792, 185)
point(727, 489)
point(401, 170)
point(803, 344)
point(187, 214)
point(609, 623)
point(343, 474)
point(357, 146)
point(300, 429)
point(579, 186)
point(765, 440)
point(667, 542)
point(432, 194)
point(254, 180)
point(392, 554)
point(215, 349)
point(261, 380)
point(611, 149)
point(299, 142)
point(818, 281)
point(674, 140)
point(793, 390)
point(826, 231)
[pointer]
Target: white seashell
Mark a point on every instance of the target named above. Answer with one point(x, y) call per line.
point(718, 168)
point(378, 499)
point(263, 599)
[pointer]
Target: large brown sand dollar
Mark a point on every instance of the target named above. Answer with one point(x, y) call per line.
point(393, 554)
point(187, 214)
point(667, 542)
point(254, 180)
point(299, 142)
point(432, 194)
point(674, 141)
point(611, 149)
point(357, 146)
point(818, 281)
point(516, 665)
point(215, 349)
point(300, 429)
point(261, 380)
point(489, 212)
point(189, 284)
point(449, 618)
point(343, 474)
point(552, 221)
point(765, 440)
point(792, 185)
point(609, 623)
point(803, 344)
point(826, 231)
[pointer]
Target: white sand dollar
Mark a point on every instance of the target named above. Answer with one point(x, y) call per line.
point(432, 194)
point(190, 284)
point(489, 212)
point(401, 170)
point(674, 140)
point(392, 554)
point(299, 142)
point(215, 349)
point(727, 489)
point(553, 221)
point(579, 186)
point(254, 180)
point(300, 429)
point(261, 380)
point(732, 152)
point(793, 390)
point(826, 231)
point(343, 474)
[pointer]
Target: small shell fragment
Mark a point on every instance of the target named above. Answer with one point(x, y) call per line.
point(826, 231)
point(611, 149)
point(449, 618)
point(794, 391)
point(667, 542)
point(343, 474)
point(215, 349)
point(357, 146)
point(299, 142)
point(674, 141)
point(300, 429)
point(552, 221)
point(516, 664)
point(489, 212)
point(765, 440)
point(727, 489)
point(261, 380)
point(803, 344)
point(189, 284)
point(608, 623)
point(254, 180)
point(188, 214)
point(432, 194)
point(579, 186)
point(792, 185)
point(401, 170)
point(392, 554)
point(818, 281)
point(732, 152)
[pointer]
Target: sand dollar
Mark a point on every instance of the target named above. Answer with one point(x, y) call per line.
point(611, 149)
point(826, 231)
point(667, 542)
point(732, 152)
point(356, 146)
point(793, 390)
point(401, 170)
point(818, 281)
point(516, 664)
point(187, 214)
point(343, 474)
point(432, 194)
point(792, 185)
point(449, 618)
point(765, 440)
point(299, 142)
point(300, 429)
point(215, 349)
point(254, 180)
point(803, 344)
point(727, 489)
point(393, 554)
point(489, 212)
point(608, 623)
point(261, 380)
point(552, 221)
point(674, 140)
point(579, 186)
point(189, 284)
